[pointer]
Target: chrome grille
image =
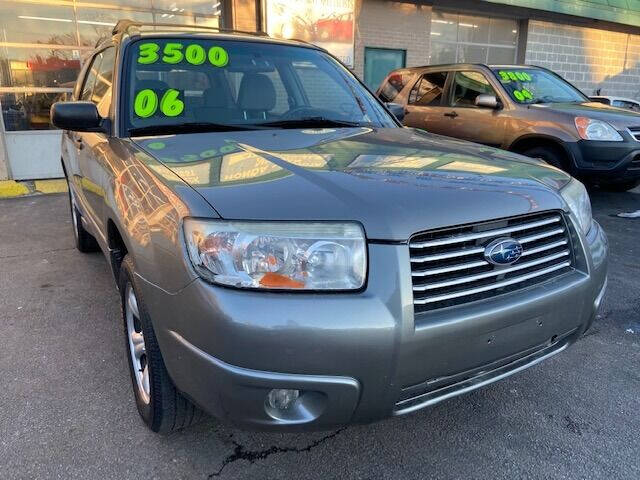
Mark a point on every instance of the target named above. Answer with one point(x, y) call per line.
point(635, 132)
point(448, 266)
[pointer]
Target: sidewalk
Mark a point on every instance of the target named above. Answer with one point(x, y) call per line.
point(12, 188)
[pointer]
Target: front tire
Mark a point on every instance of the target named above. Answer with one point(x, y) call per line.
point(551, 155)
point(162, 407)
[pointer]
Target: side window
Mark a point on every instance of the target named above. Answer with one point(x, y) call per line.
point(467, 86)
point(90, 79)
point(428, 90)
point(102, 90)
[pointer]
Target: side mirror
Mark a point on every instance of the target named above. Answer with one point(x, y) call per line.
point(78, 117)
point(397, 110)
point(487, 101)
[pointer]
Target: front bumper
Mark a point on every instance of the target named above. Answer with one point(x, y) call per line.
point(608, 161)
point(363, 356)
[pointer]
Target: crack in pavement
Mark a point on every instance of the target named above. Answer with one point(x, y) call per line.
point(239, 452)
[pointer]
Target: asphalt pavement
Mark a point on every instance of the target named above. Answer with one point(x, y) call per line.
point(67, 410)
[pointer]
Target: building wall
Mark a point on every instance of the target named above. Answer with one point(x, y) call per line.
point(589, 58)
point(386, 24)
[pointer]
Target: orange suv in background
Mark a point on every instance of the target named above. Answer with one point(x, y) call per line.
point(524, 109)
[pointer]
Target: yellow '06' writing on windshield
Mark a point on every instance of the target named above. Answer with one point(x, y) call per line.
point(146, 103)
point(174, 52)
point(507, 76)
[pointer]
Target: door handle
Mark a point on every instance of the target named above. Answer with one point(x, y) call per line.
point(451, 114)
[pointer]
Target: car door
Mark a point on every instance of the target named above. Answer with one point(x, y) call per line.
point(91, 146)
point(425, 107)
point(72, 141)
point(468, 121)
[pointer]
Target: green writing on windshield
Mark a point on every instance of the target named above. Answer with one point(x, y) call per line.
point(174, 53)
point(146, 103)
point(507, 76)
point(523, 95)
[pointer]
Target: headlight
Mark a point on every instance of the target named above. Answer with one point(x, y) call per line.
point(578, 200)
point(590, 129)
point(278, 255)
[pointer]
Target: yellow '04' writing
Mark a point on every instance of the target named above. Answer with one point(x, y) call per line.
point(174, 53)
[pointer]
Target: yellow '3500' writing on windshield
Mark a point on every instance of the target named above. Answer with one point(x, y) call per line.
point(174, 52)
point(507, 76)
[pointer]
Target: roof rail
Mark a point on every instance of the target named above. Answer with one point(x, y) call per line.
point(123, 26)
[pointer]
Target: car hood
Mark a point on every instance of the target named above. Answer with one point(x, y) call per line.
point(618, 117)
point(394, 181)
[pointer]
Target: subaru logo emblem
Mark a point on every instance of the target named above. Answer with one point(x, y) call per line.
point(503, 251)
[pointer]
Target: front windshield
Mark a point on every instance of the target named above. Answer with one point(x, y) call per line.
point(532, 85)
point(226, 85)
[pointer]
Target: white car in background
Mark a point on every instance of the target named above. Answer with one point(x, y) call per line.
point(620, 102)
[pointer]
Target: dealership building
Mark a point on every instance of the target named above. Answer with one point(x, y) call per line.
point(594, 44)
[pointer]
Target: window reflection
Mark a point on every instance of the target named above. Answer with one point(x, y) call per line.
point(29, 23)
point(28, 111)
point(41, 67)
point(183, 7)
point(97, 23)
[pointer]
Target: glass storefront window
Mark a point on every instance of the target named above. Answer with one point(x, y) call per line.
point(35, 23)
point(471, 39)
point(473, 29)
point(208, 21)
point(97, 23)
point(501, 56)
point(472, 54)
point(442, 53)
point(444, 26)
point(38, 67)
point(503, 32)
point(185, 7)
point(28, 111)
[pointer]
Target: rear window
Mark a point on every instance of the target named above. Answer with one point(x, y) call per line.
point(394, 85)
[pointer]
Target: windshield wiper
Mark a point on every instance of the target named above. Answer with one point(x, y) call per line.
point(310, 122)
point(188, 127)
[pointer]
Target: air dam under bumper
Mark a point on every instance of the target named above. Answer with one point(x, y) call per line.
point(364, 356)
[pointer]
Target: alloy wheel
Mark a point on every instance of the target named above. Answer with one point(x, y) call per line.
point(137, 348)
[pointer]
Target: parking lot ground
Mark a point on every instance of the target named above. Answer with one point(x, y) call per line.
point(67, 410)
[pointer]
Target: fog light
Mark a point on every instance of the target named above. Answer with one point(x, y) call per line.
point(282, 398)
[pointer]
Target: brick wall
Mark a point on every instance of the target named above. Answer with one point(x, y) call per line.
point(388, 24)
point(587, 57)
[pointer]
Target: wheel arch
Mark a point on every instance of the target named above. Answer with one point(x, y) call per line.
point(117, 247)
point(526, 142)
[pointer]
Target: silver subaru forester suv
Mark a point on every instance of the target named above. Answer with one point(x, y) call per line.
point(290, 257)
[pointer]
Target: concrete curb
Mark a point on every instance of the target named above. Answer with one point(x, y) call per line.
point(12, 188)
